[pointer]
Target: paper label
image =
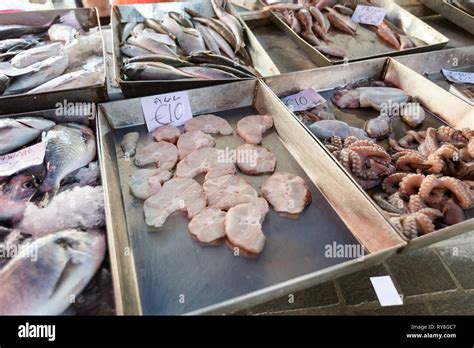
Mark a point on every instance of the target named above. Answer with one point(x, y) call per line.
point(22, 159)
point(386, 291)
point(458, 76)
point(372, 15)
point(171, 108)
point(304, 100)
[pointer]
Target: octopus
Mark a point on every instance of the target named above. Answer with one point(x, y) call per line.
point(414, 224)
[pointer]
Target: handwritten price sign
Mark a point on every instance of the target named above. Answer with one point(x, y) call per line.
point(369, 15)
point(303, 100)
point(163, 109)
point(22, 159)
point(459, 76)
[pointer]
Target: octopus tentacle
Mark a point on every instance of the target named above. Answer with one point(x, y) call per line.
point(392, 182)
point(454, 185)
point(382, 199)
point(411, 183)
point(411, 161)
point(416, 204)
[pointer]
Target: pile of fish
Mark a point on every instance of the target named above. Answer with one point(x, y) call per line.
point(57, 55)
point(186, 46)
point(225, 205)
point(51, 220)
point(313, 20)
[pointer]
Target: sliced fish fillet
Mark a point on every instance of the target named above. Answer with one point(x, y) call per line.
point(243, 225)
point(207, 160)
point(208, 225)
point(176, 194)
point(164, 154)
point(210, 124)
point(144, 183)
point(287, 193)
point(253, 159)
point(167, 133)
point(251, 128)
point(228, 191)
point(193, 140)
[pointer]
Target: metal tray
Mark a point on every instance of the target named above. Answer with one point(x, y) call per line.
point(166, 264)
point(441, 106)
point(453, 13)
point(137, 13)
point(89, 18)
point(366, 44)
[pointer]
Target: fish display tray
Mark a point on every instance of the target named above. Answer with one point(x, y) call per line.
point(167, 272)
point(137, 13)
point(453, 13)
point(442, 108)
point(89, 18)
point(366, 44)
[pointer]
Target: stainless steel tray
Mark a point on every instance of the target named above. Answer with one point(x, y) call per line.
point(366, 44)
point(441, 107)
point(89, 18)
point(137, 13)
point(165, 264)
point(453, 13)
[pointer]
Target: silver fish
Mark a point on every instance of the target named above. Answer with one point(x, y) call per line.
point(16, 44)
point(4, 82)
point(137, 29)
point(156, 26)
point(35, 55)
point(133, 51)
point(161, 38)
point(153, 71)
point(20, 187)
point(236, 72)
point(231, 22)
point(220, 28)
point(75, 79)
point(209, 40)
point(15, 133)
point(173, 61)
point(218, 59)
point(127, 30)
point(208, 73)
point(62, 32)
point(180, 19)
point(170, 25)
point(14, 30)
point(223, 45)
point(151, 45)
point(191, 41)
point(46, 70)
point(69, 146)
point(41, 279)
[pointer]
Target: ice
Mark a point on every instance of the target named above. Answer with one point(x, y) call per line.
point(89, 175)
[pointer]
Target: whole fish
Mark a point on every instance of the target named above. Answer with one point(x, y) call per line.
point(133, 51)
point(305, 18)
point(191, 41)
point(173, 61)
point(16, 44)
point(208, 73)
point(153, 71)
point(217, 59)
point(233, 71)
point(41, 279)
point(4, 82)
point(161, 38)
point(170, 25)
point(72, 80)
point(69, 146)
point(17, 132)
point(62, 32)
point(341, 22)
point(417, 42)
point(20, 187)
point(46, 70)
point(11, 31)
point(286, 16)
point(137, 29)
point(35, 55)
point(156, 26)
point(295, 23)
point(319, 31)
point(222, 43)
point(344, 10)
point(180, 19)
point(332, 50)
point(232, 23)
point(127, 30)
point(220, 28)
point(388, 36)
point(282, 6)
point(405, 42)
point(209, 40)
point(151, 45)
point(318, 16)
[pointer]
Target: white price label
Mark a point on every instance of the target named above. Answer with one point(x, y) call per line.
point(459, 76)
point(163, 109)
point(372, 15)
point(22, 159)
point(386, 291)
point(303, 100)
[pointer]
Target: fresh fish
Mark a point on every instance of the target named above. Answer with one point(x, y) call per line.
point(17, 132)
point(20, 187)
point(236, 72)
point(134, 51)
point(388, 36)
point(208, 38)
point(191, 41)
point(11, 210)
point(46, 273)
point(153, 71)
point(344, 10)
point(232, 23)
point(62, 32)
point(220, 28)
point(282, 6)
point(161, 38)
point(295, 23)
point(417, 42)
point(35, 55)
point(217, 59)
point(151, 45)
point(129, 143)
point(332, 50)
point(46, 70)
point(137, 29)
point(173, 61)
point(207, 73)
point(127, 30)
point(319, 31)
point(170, 25)
point(72, 80)
point(4, 82)
point(222, 43)
point(83, 47)
point(318, 16)
point(405, 42)
point(341, 22)
point(286, 16)
point(69, 146)
point(12, 31)
point(156, 26)
point(305, 18)
point(16, 44)
point(180, 19)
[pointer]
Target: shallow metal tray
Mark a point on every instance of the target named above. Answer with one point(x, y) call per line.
point(366, 44)
point(164, 265)
point(453, 13)
point(89, 18)
point(137, 13)
point(441, 106)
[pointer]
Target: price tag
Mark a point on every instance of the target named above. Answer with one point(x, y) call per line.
point(458, 76)
point(304, 100)
point(372, 15)
point(386, 291)
point(162, 109)
point(22, 159)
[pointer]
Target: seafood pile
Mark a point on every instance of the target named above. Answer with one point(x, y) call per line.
point(58, 55)
point(314, 20)
point(186, 46)
point(52, 222)
point(225, 205)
